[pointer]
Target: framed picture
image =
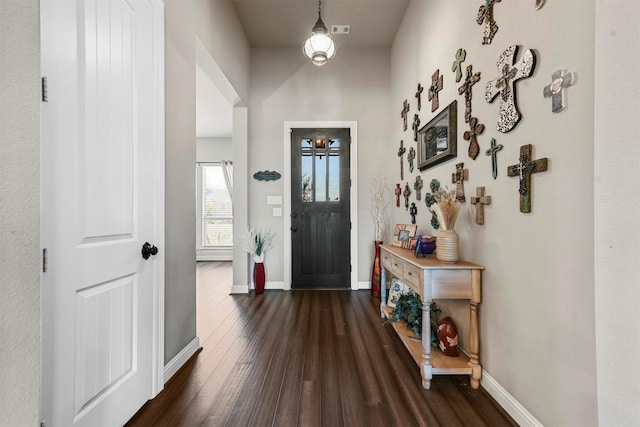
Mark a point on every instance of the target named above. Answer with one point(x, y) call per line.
point(437, 140)
point(402, 235)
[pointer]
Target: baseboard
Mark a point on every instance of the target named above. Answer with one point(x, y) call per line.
point(180, 359)
point(364, 285)
point(518, 412)
point(239, 289)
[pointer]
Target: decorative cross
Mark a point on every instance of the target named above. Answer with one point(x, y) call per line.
point(485, 13)
point(493, 152)
point(505, 85)
point(554, 90)
point(410, 157)
point(419, 96)
point(398, 192)
point(480, 200)
point(524, 169)
point(436, 86)
point(401, 152)
point(403, 114)
point(418, 187)
point(415, 126)
point(413, 211)
point(465, 89)
point(458, 178)
point(456, 67)
point(539, 4)
point(406, 193)
point(470, 135)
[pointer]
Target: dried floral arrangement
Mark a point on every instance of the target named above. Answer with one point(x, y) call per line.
point(443, 206)
point(379, 201)
point(256, 241)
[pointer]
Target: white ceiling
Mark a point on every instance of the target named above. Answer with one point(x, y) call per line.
point(287, 23)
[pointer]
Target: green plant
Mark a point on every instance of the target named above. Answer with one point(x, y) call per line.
point(409, 309)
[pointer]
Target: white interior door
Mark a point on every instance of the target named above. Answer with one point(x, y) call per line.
point(102, 186)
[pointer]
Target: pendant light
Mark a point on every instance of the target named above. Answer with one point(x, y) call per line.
point(319, 47)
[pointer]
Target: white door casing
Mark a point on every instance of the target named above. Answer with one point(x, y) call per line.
point(103, 198)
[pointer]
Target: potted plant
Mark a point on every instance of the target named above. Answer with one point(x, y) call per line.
point(257, 242)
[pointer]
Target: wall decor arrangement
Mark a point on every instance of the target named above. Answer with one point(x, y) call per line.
point(523, 169)
point(418, 95)
point(401, 152)
point(403, 233)
point(493, 152)
point(470, 80)
point(436, 86)
point(267, 175)
point(555, 90)
point(418, 187)
point(414, 126)
point(437, 140)
point(471, 135)
point(479, 201)
point(458, 178)
point(398, 193)
point(411, 157)
point(406, 193)
point(485, 14)
point(403, 114)
point(509, 72)
point(456, 67)
point(413, 211)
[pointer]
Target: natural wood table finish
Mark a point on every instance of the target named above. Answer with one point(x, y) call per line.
point(432, 279)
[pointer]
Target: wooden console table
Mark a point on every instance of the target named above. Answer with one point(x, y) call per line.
point(432, 279)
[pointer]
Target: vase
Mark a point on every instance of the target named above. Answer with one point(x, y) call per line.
point(375, 274)
point(447, 246)
point(258, 274)
point(448, 337)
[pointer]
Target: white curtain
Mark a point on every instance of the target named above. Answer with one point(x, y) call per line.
point(227, 171)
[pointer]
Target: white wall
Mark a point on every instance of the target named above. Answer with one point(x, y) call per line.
point(20, 213)
point(287, 87)
point(213, 149)
point(217, 26)
point(537, 314)
point(617, 231)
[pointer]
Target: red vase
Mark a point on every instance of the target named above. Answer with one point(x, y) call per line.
point(258, 277)
point(448, 337)
point(375, 274)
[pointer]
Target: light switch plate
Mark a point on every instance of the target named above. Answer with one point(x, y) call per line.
point(277, 211)
point(274, 200)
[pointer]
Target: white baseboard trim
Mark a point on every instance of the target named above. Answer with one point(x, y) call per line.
point(364, 285)
point(518, 412)
point(180, 359)
point(239, 289)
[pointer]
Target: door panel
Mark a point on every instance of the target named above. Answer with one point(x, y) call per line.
point(99, 134)
point(320, 214)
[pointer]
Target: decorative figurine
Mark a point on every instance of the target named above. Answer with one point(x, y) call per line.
point(470, 135)
point(411, 157)
point(406, 193)
point(418, 187)
point(448, 337)
point(523, 170)
point(413, 211)
point(458, 178)
point(418, 95)
point(470, 80)
point(505, 85)
point(485, 13)
point(436, 86)
point(401, 152)
point(456, 67)
point(398, 193)
point(555, 90)
point(403, 114)
point(480, 200)
point(493, 152)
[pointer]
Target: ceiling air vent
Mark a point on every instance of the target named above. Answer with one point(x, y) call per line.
point(340, 29)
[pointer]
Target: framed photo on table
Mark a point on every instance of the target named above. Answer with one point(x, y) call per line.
point(402, 235)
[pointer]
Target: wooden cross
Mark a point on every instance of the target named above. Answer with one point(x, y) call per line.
point(419, 96)
point(410, 157)
point(413, 211)
point(418, 187)
point(524, 169)
point(505, 85)
point(485, 14)
point(458, 178)
point(493, 152)
point(401, 152)
point(465, 89)
point(436, 86)
point(415, 126)
point(406, 193)
point(403, 114)
point(555, 90)
point(456, 67)
point(470, 135)
point(398, 192)
point(480, 200)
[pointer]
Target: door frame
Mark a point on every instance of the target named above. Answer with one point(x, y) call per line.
point(353, 192)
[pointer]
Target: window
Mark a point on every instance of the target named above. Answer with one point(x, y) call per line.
point(215, 188)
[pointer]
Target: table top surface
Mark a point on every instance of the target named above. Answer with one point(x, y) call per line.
point(429, 261)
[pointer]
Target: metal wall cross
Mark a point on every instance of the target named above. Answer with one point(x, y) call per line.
point(458, 178)
point(410, 157)
point(523, 170)
point(403, 114)
point(401, 152)
point(555, 90)
point(465, 89)
point(480, 200)
point(456, 67)
point(419, 95)
point(471, 135)
point(418, 187)
point(413, 211)
point(415, 126)
point(505, 85)
point(485, 14)
point(493, 152)
point(406, 193)
point(436, 86)
point(398, 193)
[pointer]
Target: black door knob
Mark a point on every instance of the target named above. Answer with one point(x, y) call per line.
point(148, 250)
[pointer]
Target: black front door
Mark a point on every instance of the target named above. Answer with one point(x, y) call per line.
point(320, 224)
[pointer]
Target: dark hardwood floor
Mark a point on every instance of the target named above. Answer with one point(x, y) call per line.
point(305, 358)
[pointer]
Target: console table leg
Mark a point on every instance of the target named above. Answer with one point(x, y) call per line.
point(474, 358)
point(426, 369)
point(383, 291)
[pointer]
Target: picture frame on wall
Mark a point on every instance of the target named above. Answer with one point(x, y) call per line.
point(402, 235)
point(437, 140)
